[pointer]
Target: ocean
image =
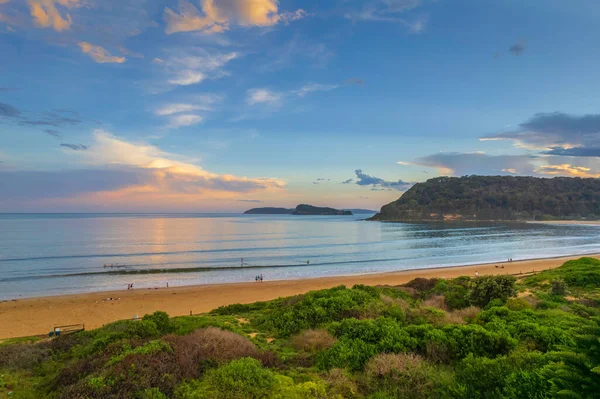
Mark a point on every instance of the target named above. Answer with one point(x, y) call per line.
point(53, 254)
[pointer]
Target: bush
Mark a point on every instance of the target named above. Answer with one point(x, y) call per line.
point(240, 379)
point(346, 353)
point(399, 375)
point(313, 340)
point(454, 342)
point(316, 308)
point(208, 347)
point(152, 393)
point(144, 329)
point(161, 320)
point(422, 284)
point(559, 287)
point(23, 356)
point(488, 288)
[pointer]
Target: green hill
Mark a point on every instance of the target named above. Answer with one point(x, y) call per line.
point(496, 198)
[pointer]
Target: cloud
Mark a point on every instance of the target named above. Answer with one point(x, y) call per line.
point(177, 108)
point(219, 16)
point(75, 147)
point(46, 14)
point(118, 172)
point(574, 152)
point(568, 170)
point(264, 96)
point(276, 99)
point(50, 119)
point(187, 114)
point(248, 200)
point(312, 87)
point(364, 179)
point(53, 133)
point(556, 132)
point(8, 111)
point(192, 66)
point(181, 120)
point(460, 164)
point(348, 181)
point(517, 49)
point(391, 11)
point(7, 88)
point(100, 54)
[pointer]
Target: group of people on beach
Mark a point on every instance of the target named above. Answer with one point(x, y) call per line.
point(130, 286)
point(258, 277)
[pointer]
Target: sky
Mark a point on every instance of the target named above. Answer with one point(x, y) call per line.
point(225, 105)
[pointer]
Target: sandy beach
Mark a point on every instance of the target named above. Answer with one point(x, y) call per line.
point(34, 316)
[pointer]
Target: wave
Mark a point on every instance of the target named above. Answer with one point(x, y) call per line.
point(123, 271)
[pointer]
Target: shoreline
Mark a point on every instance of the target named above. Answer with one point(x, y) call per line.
point(39, 315)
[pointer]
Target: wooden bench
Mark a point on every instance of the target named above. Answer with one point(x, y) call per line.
point(68, 329)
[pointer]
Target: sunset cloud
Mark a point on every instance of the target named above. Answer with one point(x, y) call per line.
point(218, 16)
point(567, 170)
point(46, 14)
point(100, 54)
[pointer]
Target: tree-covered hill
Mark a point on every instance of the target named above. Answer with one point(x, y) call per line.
point(493, 337)
point(496, 198)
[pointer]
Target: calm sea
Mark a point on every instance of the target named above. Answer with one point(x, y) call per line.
point(51, 254)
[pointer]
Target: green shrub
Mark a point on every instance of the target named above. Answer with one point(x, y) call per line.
point(146, 349)
point(346, 353)
point(487, 288)
point(315, 308)
point(151, 393)
point(559, 287)
point(144, 329)
point(400, 376)
point(240, 379)
point(161, 320)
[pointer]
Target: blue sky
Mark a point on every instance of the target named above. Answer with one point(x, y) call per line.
point(206, 105)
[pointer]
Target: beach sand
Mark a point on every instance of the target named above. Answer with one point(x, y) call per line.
point(33, 316)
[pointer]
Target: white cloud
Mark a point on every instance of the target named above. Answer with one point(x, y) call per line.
point(312, 87)
point(181, 120)
point(187, 77)
point(264, 96)
point(190, 113)
point(192, 66)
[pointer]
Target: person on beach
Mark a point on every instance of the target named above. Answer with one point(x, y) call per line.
point(476, 274)
point(261, 278)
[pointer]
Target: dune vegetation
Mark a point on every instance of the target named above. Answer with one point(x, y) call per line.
point(487, 337)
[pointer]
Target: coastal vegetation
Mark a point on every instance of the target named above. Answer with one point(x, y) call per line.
point(487, 337)
point(496, 198)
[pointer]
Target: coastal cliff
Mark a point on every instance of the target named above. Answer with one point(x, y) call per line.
point(497, 198)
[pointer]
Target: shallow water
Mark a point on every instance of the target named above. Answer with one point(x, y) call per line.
point(51, 254)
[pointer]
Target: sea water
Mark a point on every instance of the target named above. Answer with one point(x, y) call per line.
point(53, 254)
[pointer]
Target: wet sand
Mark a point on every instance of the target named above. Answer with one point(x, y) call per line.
point(34, 316)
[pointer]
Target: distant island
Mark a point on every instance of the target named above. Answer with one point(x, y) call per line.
point(496, 198)
point(302, 209)
point(355, 211)
point(269, 211)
